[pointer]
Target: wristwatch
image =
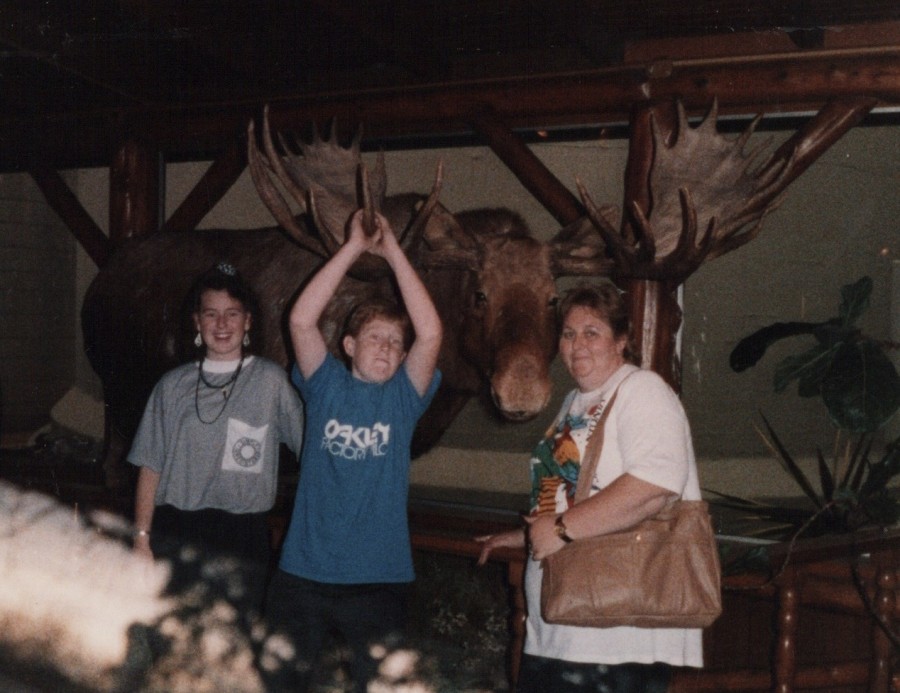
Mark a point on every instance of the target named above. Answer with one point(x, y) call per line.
point(561, 530)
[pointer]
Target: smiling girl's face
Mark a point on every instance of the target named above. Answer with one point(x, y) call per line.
point(222, 322)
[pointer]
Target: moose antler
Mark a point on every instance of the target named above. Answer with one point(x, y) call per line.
point(321, 178)
point(328, 182)
point(707, 195)
point(274, 200)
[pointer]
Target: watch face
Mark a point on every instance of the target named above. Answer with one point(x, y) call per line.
point(561, 530)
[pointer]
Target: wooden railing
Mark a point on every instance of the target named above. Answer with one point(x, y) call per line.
point(856, 575)
point(851, 574)
point(449, 533)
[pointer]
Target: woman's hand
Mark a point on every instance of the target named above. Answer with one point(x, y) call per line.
point(542, 536)
point(514, 539)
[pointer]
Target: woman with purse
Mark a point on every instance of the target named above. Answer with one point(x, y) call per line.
point(645, 464)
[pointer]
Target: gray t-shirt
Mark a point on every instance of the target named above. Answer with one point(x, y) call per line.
point(230, 462)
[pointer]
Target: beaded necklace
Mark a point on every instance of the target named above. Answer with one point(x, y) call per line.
point(226, 393)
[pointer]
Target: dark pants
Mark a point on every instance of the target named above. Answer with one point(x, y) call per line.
point(190, 538)
point(309, 612)
point(543, 675)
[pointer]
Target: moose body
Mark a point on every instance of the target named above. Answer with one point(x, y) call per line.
point(498, 321)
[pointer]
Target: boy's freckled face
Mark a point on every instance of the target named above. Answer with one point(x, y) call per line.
point(377, 351)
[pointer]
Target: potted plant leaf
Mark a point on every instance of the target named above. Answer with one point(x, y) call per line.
point(860, 388)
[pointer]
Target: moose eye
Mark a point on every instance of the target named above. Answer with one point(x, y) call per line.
point(553, 302)
point(480, 298)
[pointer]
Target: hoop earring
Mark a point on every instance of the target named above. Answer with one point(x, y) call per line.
point(246, 340)
point(198, 341)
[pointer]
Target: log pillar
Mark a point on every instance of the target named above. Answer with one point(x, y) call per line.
point(785, 665)
point(134, 210)
point(653, 304)
point(656, 318)
point(134, 191)
point(885, 605)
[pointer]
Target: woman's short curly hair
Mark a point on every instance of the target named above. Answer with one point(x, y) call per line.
point(608, 302)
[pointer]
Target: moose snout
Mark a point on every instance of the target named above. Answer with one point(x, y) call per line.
point(521, 390)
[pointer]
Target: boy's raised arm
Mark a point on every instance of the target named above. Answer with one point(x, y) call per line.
point(421, 360)
point(309, 343)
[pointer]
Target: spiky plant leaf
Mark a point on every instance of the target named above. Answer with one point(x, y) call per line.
point(858, 457)
point(736, 501)
point(775, 444)
point(882, 472)
point(826, 480)
point(857, 479)
point(855, 300)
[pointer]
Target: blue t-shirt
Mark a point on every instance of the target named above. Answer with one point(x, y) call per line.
point(349, 523)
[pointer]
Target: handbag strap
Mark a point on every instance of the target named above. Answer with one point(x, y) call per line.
point(593, 449)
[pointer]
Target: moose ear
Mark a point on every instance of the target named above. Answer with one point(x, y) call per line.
point(444, 232)
point(583, 234)
point(579, 250)
point(448, 244)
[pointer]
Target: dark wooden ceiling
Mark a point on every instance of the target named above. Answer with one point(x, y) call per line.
point(78, 75)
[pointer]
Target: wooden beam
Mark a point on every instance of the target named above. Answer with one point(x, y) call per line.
point(530, 170)
point(218, 179)
point(770, 84)
point(819, 133)
point(782, 83)
point(73, 214)
point(768, 42)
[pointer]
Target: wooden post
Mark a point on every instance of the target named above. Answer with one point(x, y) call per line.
point(655, 313)
point(885, 604)
point(134, 191)
point(134, 210)
point(786, 627)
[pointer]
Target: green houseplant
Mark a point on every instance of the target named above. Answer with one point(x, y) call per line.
point(860, 389)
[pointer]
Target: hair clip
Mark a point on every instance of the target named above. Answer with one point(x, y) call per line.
point(226, 268)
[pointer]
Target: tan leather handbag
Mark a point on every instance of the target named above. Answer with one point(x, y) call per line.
point(662, 573)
